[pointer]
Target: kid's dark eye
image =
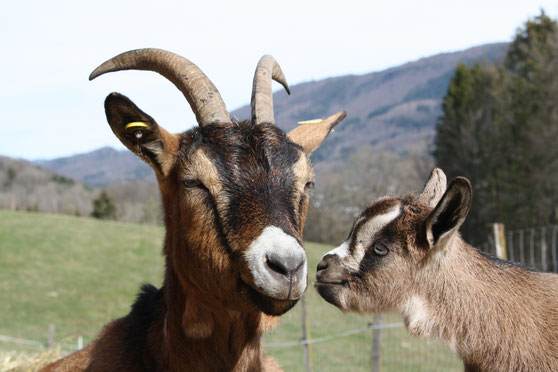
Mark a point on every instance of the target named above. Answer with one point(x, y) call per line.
point(380, 249)
point(192, 182)
point(309, 185)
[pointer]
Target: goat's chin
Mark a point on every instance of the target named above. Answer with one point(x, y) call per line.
point(264, 303)
point(331, 292)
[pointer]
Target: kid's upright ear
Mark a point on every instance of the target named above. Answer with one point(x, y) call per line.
point(141, 134)
point(450, 212)
point(311, 135)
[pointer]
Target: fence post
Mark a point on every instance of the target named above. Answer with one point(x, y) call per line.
point(521, 247)
point(500, 240)
point(306, 335)
point(511, 248)
point(532, 248)
point(51, 329)
point(544, 250)
point(553, 252)
point(376, 342)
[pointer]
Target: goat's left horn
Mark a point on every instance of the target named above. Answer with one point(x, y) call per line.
point(262, 95)
point(201, 94)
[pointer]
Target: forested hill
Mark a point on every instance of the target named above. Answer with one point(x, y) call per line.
point(396, 109)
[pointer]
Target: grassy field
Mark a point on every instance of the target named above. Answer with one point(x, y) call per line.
point(79, 273)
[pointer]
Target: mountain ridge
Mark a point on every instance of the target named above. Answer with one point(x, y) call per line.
point(395, 109)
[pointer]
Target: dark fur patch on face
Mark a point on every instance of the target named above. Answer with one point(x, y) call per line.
point(254, 164)
point(411, 223)
point(250, 177)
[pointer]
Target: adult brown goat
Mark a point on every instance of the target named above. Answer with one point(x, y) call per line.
point(405, 254)
point(235, 197)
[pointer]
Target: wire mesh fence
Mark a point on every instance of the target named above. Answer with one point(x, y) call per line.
point(373, 347)
point(534, 247)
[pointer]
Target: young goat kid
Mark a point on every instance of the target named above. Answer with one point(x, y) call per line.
point(405, 254)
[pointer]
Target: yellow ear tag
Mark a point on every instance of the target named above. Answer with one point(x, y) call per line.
point(136, 124)
point(314, 121)
point(136, 127)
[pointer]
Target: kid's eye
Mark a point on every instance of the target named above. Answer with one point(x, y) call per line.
point(380, 249)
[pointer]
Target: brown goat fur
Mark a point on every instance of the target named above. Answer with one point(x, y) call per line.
point(405, 254)
point(230, 191)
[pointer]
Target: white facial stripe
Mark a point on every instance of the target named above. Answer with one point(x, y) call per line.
point(366, 233)
point(273, 241)
point(376, 223)
point(370, 228)
point(342, 251)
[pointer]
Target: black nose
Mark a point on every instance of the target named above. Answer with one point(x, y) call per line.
point(324, 263)
point(286, 266)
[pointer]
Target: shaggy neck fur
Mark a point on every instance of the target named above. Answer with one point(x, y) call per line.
point(201, 334)
point(496, 316)
point(216, 339)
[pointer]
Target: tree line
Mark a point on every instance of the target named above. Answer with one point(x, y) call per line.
point(499, 128)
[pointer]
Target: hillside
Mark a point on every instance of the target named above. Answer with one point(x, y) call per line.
point(395, 109)
point(28, 186)
point(101, 167)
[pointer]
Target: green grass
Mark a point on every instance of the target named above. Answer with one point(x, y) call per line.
point(79, 273)
point(76, 273)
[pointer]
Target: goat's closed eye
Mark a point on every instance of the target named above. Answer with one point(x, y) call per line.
point(192, 183)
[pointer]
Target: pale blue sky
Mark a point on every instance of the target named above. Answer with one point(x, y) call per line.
point(50, 109)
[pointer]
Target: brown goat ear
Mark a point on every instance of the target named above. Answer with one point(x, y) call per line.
point(310, 136)
point(434, 188)
point(450, 212)
point(141, 134)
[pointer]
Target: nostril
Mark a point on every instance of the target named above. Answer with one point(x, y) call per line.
point(324, 262)
point(287, 266)
point(322, 265)
point(277, 267)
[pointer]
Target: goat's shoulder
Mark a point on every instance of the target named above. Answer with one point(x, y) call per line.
point(121, 341)
point(131, 336)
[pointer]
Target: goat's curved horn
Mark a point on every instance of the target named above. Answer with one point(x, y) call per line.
point(201, 94)
point(262, 96)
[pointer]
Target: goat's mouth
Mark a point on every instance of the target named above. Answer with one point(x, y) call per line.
point(325, 277)
point(331, 291)
point(269, 305)
point(342, 283)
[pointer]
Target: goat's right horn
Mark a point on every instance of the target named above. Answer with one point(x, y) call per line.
point(201, 94)
point(262, 95)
